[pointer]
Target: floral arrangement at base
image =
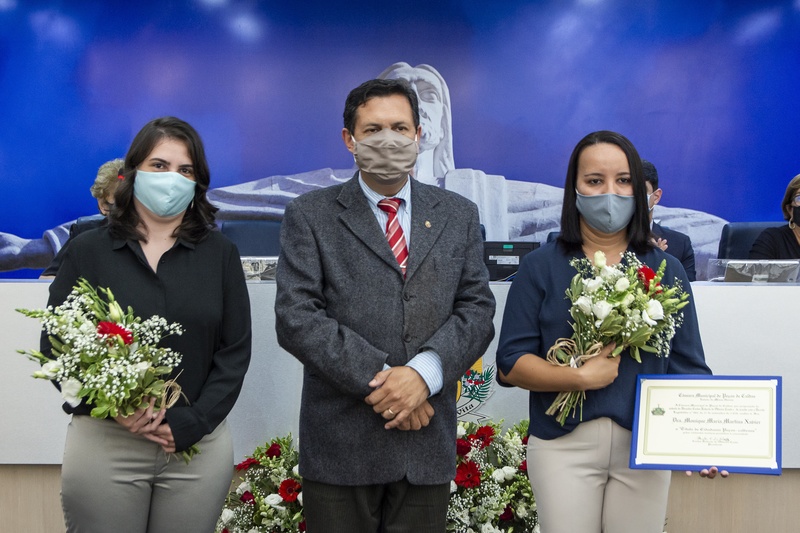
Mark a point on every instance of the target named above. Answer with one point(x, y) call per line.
point(105, 356)
point(626, 304)
point(269, 499)
point(490, 493)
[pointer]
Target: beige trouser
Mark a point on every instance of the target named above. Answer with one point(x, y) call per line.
point(113, 480)
point(582, 483)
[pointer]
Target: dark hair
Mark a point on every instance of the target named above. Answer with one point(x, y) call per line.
point(199, 218)
point(377, 88)
point(650, 173)
point(638, 227)
point(791, 191)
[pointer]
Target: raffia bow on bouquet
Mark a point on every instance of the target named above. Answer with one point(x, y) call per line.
point(107, 357)
point(624, 303)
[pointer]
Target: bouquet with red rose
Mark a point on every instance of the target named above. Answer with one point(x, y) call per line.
point(269, 498)
point(107, 357)
point(625, 303)
point(491, 491)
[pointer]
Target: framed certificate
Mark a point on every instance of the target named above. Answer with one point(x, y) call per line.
point(689, 422)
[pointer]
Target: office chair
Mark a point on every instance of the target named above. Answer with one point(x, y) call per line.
point(738, 237)
point(260, 238)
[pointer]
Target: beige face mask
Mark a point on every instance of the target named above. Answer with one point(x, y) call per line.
point(387, 155)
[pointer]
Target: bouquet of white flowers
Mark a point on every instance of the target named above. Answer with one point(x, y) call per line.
point(105, 356)
point(625, 303)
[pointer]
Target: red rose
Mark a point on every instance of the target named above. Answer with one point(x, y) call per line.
point(468, 475)
point(109, 329)
point(646, 275)
point(247, 497)
point(463, 447)
point(508, 514)
point(247, 463)
point(289, 490)
point(274, 450)
point(525, 440)
point(483, 436)
point(523, 466)
point(302, 526)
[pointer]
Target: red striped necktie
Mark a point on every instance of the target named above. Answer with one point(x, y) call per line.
point(394, 233)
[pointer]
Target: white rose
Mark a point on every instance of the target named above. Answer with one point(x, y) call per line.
point(141, 368)
point(300, 498)
point(584, 303)
point(654, 310)
point(599, 259)
point(498, 476)
point(610, 273)
point(453, 487)
point(489, 528)
point(50, 369)
point(509, 472)
point(593, 284)
point(242, 488)
point(274, 500)
point(226, 516)
point(521, 511)
point(296, 470)
point(460, 431)
point(622, 284)
point(649, 321)
point(601, 309)
point(69, 391)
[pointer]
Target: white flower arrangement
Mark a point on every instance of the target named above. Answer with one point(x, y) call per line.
point(626, 304)
point(106, 357)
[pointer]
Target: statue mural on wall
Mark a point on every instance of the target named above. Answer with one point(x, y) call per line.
point(509, 209)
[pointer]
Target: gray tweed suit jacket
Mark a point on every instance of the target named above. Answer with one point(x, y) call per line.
point(343, 309)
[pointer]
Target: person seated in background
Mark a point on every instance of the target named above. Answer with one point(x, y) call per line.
point(782, 242)
point(103, 188)
point(673, 242)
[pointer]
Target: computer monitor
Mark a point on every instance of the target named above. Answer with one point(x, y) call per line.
point(503, 258)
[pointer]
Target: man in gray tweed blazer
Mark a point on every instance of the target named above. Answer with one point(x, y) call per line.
point(383, 337)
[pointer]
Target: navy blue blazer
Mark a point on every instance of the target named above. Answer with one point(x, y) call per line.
point(678, 245)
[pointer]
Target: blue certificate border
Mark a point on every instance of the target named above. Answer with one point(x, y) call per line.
point(738, 469)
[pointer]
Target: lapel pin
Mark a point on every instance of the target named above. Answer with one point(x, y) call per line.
point(427, 223)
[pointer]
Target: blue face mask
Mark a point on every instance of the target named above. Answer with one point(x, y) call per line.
point(608, 213)
point(166, 194)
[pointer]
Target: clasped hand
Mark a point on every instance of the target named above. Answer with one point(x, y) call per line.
point(149, 423)
point(400, 396)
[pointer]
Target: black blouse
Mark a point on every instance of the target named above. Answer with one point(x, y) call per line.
point(776, 243)
point(202, 287)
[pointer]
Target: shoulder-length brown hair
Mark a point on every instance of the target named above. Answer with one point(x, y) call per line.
point(199, 220)
point(638, 227)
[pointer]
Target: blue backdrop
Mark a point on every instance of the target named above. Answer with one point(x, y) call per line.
point(705, 90)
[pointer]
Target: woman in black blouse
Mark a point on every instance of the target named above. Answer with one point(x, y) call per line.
point(782, 242)
point(160, 255)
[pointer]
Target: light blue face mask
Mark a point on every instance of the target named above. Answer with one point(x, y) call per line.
point(608, 213)
point(166, 194)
